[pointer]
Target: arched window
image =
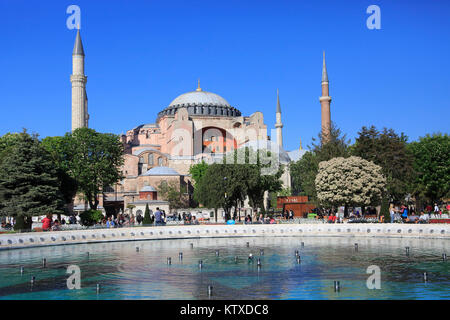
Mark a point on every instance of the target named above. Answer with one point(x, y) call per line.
point(150, 159)
point(160, 161)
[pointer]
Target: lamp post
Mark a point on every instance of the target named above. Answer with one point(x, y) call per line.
point(225, 202)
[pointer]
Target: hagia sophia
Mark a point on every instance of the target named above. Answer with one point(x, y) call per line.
point(195, 126)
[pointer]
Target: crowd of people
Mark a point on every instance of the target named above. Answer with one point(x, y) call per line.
point(48, 224)
point(397, 214)
point(260, 220)
point(407, 214)
point(120, 220)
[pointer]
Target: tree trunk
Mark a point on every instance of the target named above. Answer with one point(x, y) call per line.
point(23, 223)
point(94, 204)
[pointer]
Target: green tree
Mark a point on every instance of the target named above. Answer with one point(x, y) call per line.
point(198, 170)
point(244, 172)
point(7, 141)
point(90, 217)
point(336, 146)
point(171, 192)
point(214, 189)
point(432, 167)
point(94, 160)
point(390, 151)
point(147, 220)
point(57, 147)
point(257, 171)
point(28, 182)
point(285, 192)
point(304, 171)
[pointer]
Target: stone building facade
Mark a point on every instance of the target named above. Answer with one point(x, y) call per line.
point(195, 126)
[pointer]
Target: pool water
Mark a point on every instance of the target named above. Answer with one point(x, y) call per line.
point(125, 273)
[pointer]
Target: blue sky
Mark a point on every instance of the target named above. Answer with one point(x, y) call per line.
point(140, 55)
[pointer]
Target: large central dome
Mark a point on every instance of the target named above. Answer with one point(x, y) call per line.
point(199, 98)
point(201, 103)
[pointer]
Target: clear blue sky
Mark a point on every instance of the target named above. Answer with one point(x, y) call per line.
point(140, 55)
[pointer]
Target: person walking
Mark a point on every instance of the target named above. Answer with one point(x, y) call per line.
point(436, 209)
point(158, 218)
point(47, 222)
point(405, 213)
point(392, 212)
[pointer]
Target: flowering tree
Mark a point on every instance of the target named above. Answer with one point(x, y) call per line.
point(349, 181)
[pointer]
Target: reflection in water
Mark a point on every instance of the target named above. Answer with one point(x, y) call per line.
point(126, 273)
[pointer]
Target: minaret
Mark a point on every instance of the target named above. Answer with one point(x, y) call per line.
point(80, 115)
point(325, 101)
point(278, 124)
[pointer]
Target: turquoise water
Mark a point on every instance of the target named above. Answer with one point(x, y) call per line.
point(124, 273)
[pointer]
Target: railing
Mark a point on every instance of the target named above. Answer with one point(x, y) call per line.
point(69, 227)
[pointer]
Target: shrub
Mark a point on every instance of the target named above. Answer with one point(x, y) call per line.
point(384, 211)
point(147, 219)
point(91, 217)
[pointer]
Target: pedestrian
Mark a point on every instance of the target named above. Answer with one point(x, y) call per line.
point(56, 226)
point(110, 223)
point(436, 208)
point(47, 222)
point(392, 212)
point(139, 218)
point(423, 218)
point(158, 217)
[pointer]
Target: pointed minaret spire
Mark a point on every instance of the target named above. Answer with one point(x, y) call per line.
point(198, 87)
point(78, 47)
point(324, 70)
point(279, 124)
point(278, 102)
point(300, 148)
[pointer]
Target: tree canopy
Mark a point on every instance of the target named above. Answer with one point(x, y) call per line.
point(304, 171)
point(198, 170)
point(432, 166)
point(7, 141)
point(170, 191)
point(29, 182)
point(243, 173)
point(349, 181)
point(390, 151)
point(89, 161)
